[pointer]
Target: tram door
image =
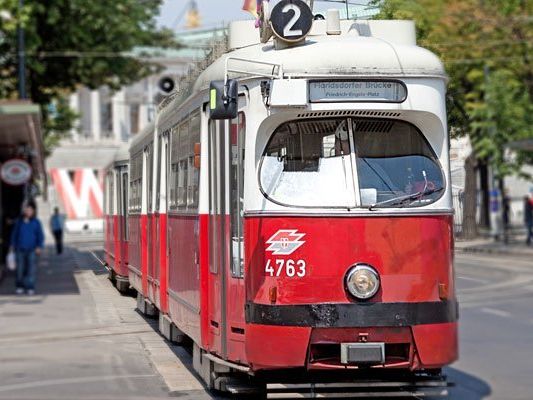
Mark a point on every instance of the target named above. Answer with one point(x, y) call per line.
point(226, 285)
point(161, 222)
point(150, 262)
point(122, 216)
point(124, 204)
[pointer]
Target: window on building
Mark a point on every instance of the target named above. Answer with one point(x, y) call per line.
point(106, 120)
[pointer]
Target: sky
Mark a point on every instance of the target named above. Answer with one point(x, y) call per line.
point(213, 12)
point(218, 12)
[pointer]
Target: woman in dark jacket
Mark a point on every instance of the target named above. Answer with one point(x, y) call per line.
point(27, 239)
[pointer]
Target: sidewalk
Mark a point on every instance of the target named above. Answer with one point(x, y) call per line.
point(78, 338)
point(516, 247)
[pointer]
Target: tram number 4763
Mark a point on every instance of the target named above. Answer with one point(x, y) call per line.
point(290, 268)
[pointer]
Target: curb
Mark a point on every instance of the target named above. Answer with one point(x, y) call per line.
point(495, 250)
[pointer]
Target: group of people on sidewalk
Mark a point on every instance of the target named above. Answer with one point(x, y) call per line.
point(26, 243)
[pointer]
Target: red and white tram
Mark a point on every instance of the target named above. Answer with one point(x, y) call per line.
point(291, 208)
point(116, 184)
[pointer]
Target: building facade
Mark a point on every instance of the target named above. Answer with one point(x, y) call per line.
point(109, 119)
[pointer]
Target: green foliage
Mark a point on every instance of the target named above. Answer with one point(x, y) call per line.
point(59, 118)
point(77, 42)
point(486, 47)
point(505, 114)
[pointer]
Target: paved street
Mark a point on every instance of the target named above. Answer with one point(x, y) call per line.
point(78, 338)
point(496, 327)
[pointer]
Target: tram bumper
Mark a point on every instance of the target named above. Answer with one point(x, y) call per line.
point(419, 338)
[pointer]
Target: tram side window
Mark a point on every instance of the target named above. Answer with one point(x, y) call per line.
point(149, 175)
point(184, 179)
point(111, 192)
point(106, 194)
point(135, 192)
point(193, 172)
point(174, 159)
point(307, 164)
point(393, 160)
point(182, 164)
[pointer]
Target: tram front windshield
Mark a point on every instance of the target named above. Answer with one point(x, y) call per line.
point(348, 163)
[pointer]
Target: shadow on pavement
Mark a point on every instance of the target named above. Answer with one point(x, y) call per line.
point(467, 386)
point(56, 273)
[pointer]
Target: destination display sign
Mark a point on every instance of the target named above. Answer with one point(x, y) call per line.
point(357, 91)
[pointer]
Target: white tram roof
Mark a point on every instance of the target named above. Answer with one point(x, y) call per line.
point(122, 154)
point(121, 157)
point(364, 48)
point(141, 139)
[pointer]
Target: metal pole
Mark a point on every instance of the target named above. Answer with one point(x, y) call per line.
point(21, 56)
point(347, 10)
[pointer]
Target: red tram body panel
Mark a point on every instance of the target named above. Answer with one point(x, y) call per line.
point(116, 246)
point(404, 286)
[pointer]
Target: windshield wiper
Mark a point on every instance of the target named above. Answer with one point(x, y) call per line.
point(401, 200)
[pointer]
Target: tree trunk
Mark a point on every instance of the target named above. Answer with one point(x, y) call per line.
point(470, 198)
point(484, 218)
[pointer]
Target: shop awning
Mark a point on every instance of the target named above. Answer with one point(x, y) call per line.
point(20, 132)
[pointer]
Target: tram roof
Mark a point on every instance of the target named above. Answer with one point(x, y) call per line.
point(122, 154)
point(142, 138)
point(365, 49)
point(359, 50)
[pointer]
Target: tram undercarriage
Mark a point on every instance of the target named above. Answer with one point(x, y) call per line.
point(302, 383)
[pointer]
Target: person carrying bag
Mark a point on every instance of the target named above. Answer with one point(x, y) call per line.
point(27, 240)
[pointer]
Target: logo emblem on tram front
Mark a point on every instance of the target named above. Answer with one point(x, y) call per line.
point(285, 242)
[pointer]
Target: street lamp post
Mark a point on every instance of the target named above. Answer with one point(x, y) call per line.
point(21, 55)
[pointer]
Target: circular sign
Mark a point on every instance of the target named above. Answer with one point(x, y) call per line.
point(15, 172)
point(291, 20)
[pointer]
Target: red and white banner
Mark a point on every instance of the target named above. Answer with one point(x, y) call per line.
point(80, 191)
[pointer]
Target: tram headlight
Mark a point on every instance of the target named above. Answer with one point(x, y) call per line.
point(362, 281)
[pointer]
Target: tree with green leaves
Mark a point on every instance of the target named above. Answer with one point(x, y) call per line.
point(76, 42)
point(486, 46)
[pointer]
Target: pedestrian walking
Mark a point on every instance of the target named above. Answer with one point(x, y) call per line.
point(528, 217)
point(506, 214)
point(27, 239)
point(57, 222)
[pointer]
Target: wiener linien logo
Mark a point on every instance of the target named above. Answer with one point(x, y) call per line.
point(285, 242)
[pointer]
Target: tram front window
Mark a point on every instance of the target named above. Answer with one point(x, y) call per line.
point(308, 163)
point(394, 161)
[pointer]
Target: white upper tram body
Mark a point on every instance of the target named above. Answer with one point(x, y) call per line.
point(274, 88)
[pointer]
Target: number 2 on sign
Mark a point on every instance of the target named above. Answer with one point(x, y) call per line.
point(289, 28)
point(288, 268)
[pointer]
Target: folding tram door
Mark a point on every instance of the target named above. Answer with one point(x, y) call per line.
point(226, 248)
